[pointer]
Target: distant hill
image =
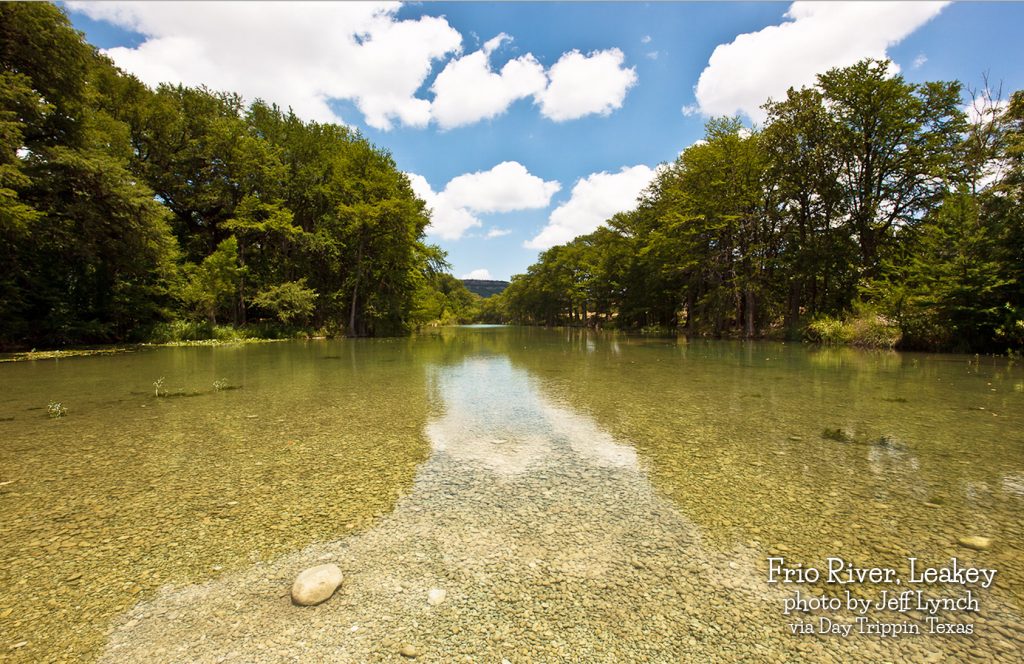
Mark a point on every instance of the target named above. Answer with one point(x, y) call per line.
point(485, 287)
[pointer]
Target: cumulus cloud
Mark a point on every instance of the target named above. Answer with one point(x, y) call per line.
point(743, 74)
point(586, 84)
point(479, 273)
point(497, 232)
point(308, 55)
point(447, 221)
point(299, 55)
point(986, 109)
point(468, 90)
point(504, 188)
point(594, 199)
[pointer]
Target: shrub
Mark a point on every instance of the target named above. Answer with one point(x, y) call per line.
point(865, 328)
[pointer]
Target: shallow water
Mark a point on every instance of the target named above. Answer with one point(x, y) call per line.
point(581, 497)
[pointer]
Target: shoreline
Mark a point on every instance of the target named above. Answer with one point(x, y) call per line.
point(116, 349)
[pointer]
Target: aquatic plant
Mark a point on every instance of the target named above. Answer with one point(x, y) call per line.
point(837, 435)
point(888, 442)
point(158, 387)
point(842, 436)
point(56, 409)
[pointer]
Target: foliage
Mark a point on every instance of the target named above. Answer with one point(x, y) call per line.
point(125, 209)
point(867, 211)
point(212, 284)
point(866, 328)
point(291, 301)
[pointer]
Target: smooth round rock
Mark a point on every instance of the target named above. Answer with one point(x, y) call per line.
point(975, 542)
point(436, 595)
point(409, 650)
point(316, 584)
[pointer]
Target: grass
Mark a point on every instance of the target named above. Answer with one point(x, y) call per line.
point(188, 332)
point(864, 328)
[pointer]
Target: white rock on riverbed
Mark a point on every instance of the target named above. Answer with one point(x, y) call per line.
point(436, 595)
point(975, 542)
point(316, 584)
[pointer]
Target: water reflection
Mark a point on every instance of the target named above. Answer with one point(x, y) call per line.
point(494, 416)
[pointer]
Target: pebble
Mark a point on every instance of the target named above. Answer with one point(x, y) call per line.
point(316, 584)
point(409, 650)
point(975, 542)
point(436, 596)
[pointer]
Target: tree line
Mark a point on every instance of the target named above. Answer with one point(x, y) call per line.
point(866, 209)
point(128, 213)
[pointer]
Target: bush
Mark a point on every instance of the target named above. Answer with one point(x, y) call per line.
point(180, 330)
point(291, 301)
point(865, 328)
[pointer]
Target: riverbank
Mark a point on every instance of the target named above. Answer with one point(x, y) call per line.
point(178, 333)
point(60, 354)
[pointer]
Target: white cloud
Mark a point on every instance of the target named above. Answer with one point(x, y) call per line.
point(447, 221)
point(479, 273)
point(594, 200)
point(743, 74)
point(497, 232)
point(919, 61)
point(504, 188)
point(308, 55)
point(467, 90)
point(298, 55)
point(585, 84)
point(492, 44)
point(646, 39)
point(985, 109)
point(653, 55)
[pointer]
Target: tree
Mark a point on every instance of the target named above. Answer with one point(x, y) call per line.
point(803, 182)
point(291, 301)
point(896, 143)
point(212, 285)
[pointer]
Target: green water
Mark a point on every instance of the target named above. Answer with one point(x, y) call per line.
point(581, 496)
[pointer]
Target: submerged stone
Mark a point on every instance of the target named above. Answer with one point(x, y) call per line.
point(975, 542)
point(316, 584)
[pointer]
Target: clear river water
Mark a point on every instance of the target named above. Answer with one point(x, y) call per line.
point(579, 496)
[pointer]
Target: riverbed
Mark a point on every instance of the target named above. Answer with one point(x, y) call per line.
point(579, 496)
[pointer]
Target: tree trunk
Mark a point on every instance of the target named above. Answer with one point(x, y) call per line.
point(355, 291)
point(241, 284)
point(748, 310)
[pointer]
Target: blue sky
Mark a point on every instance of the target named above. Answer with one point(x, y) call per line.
point(525, 124)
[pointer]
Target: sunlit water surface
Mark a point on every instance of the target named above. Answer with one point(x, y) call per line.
point(580, 497)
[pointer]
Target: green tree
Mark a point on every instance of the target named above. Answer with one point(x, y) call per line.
point(291, 302)
point(896, 144)
point(213, 284)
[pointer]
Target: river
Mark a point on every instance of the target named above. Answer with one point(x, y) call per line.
point(579, 496)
